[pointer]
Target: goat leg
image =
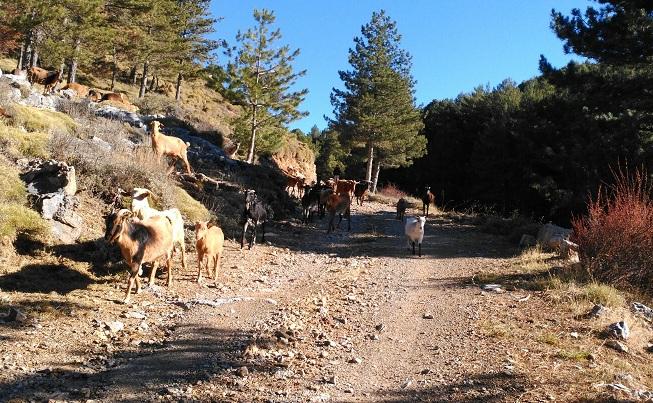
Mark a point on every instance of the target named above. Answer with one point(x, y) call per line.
point(183, 256)
point(242, 238)
point(413, 243)
point(216, 265)
point(200, 258)
point(169, 266)
point(252, 240)
point(138, 284)
point(420, 249)
point(263, 232)
point(153, 273)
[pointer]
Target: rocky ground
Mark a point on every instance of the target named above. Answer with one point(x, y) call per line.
point(307, 317)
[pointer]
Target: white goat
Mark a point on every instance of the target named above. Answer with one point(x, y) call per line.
point(415, 232)
point(169, 146)
point(141, 207)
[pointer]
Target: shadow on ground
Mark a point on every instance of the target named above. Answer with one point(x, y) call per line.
point(494, 387)
point(103, 258)
point(380, 234)
point(194, 354)
point(44, 278)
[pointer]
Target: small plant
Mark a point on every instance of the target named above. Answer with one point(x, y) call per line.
point(191, 209)
point(15, 216)
point(575, 355)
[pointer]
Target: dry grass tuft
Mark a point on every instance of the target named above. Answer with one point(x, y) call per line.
point(15, 216)
point(190, 208)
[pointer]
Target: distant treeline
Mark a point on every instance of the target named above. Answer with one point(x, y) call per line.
point(156, 38)
point(541, 147)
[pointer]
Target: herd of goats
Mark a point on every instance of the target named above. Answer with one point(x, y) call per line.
point(146, 235)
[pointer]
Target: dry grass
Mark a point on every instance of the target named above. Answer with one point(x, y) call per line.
point(7, 65)
point(533, 260)
point(15, 216)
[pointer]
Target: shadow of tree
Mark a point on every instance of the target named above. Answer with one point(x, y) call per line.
point(492, 387)
point(195, 353)
point(45, 278)
point(382, 235)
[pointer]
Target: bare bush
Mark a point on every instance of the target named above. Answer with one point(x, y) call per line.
point(152, 104)
point(391, 190)
point(615, 238)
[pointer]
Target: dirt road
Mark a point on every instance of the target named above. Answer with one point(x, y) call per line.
point(315, 317)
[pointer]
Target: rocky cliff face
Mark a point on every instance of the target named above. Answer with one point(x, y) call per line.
point(296, 158)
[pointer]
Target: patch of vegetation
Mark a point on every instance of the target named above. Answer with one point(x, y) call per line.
point(153, 104)
point(19, 143)
point(549, 338)
point(40, 120)
point(495, 329)
point(573, 355)
point(15, 216)
point(616, 237)
point(191, 209)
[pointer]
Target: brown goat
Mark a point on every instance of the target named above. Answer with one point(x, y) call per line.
point(80, 90)
point(209, 244)
point(344, 186)
point(49, 79)
point(339, 204)
point(140, 242)
point(116, 97)
point(169, 146)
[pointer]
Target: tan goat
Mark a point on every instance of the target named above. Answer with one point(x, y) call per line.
point(209, 244)
point(145, 241)
point(168, 146)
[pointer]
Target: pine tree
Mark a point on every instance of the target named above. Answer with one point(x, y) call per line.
point(193, 49)
point(620, 32)
point(376, 109)
point(260, 77)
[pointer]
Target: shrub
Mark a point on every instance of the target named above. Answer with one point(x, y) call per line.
point(615, 238)
point(391, 190)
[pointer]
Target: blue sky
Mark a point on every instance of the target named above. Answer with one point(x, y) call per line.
point(456, 44)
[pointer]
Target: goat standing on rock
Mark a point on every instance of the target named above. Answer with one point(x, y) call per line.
point(415, 232)
point(169, 146)
point(255, 213)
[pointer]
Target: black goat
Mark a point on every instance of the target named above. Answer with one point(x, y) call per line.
point(360, 190)
point(310, 200)
point(427, 199)
point(256, 212)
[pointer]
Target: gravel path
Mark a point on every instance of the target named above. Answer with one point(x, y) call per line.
point(316, 317)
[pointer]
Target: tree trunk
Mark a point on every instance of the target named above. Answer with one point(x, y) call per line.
point(250, 153)
point(377, 170)
point(178, 92)
point(141, 92)
point(370, 161)
point(114, 70)
point(19, 65)
point(72, 74)
point(34, 57)
point(62, 67)
point(132, 75)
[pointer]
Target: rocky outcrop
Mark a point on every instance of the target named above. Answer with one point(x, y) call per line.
point(52, 186)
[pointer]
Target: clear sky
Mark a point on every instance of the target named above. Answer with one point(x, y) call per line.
point(456, 44)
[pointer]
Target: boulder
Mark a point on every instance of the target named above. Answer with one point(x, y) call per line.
point(52, 186)
point(569, 251)
point(619, 330)
point(112, 112)
point(643, 310)
point(551, 236)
